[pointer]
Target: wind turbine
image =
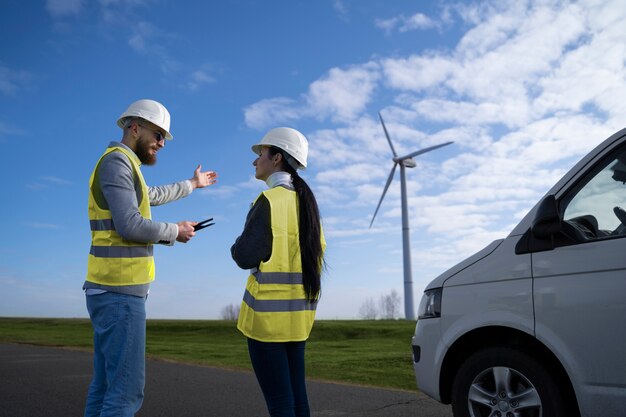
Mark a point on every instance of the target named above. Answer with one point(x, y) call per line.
point(405, 161)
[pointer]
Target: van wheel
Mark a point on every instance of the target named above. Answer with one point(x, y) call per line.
point(504, 382)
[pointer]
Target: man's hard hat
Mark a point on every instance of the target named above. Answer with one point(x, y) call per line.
point(289, 140)
point(149, 110)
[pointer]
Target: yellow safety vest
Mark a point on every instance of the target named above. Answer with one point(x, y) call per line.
point(275, 308)
point(114, 260)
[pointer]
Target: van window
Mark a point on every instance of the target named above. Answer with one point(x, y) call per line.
point(595, 207)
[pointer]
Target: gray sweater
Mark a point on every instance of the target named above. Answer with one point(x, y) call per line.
point(121, 194)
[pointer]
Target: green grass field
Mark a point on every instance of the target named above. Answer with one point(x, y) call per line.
point(376, 353)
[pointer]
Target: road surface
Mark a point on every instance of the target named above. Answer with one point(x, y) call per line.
point(49, 382)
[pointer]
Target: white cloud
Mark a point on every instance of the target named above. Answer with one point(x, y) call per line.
point(222, 191)
point(63, 8)
point(343, 94)
point(417, 72)
point(9, 131)
point(530, 88)
point(116, 11)
point(353, 173)
point(46, 182)
point(198, 78)
point(225, 191)
point(128, 3)
point(279, 110)
point(55, 180)
point(340, 7)
point(12, 81)
point(510, 113)
point(418, 21)
point(507, 68)
point(143, 40)
point(340, 96)
point(151, 41)
point(354, 143)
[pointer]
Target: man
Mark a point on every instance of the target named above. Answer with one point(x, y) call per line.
point(121, 265)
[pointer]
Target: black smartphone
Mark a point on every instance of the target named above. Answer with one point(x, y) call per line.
point(204, 223)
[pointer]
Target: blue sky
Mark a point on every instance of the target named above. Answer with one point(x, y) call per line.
point(523, 88)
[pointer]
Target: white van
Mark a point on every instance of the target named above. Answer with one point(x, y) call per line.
point(535, 324)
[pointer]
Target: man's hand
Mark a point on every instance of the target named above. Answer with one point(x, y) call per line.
point(185, 231)
point(203, 179)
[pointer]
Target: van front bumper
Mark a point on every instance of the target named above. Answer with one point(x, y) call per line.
point(427, 356)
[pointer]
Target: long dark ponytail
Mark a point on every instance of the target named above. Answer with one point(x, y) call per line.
point(310, 231)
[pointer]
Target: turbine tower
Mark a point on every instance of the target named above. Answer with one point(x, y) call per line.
point(405, 161)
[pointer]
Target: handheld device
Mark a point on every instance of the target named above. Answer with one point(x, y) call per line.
point(204, 223)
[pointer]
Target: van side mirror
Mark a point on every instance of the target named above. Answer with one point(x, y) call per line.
point(547, 221)
point(546, 224)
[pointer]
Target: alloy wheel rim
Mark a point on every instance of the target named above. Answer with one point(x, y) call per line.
point(503, 392)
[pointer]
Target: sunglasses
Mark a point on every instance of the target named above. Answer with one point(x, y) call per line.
point(157, 133)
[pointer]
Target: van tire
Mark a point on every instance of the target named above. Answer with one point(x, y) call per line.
point(519, 369)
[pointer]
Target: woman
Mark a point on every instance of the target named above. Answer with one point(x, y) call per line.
point(283, 245)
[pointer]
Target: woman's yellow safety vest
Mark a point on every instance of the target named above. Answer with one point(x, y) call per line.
point(112, 259)
point(274, 307)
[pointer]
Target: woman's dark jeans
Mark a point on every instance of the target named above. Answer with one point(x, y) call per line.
point(279, 368)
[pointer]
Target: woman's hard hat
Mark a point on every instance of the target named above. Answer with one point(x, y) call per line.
point(288, 140)
point(149, 110)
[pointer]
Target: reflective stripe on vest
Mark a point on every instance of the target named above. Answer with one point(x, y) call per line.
point(277, 305)
point(113, 260)
point(275, 308)
point(104, 224)
point(278, 277)
point(121, 251)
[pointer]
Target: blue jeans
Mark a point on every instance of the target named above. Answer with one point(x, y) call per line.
point(279, 368)
point(119, 342)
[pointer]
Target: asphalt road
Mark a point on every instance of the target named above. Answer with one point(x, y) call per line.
point(49, 382)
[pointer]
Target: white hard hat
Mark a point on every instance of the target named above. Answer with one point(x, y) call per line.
point(149, 110)
point(287, 139)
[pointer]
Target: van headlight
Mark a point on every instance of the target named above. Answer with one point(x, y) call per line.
point(430, 306)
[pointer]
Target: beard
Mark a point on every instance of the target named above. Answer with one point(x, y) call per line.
point(142, 150)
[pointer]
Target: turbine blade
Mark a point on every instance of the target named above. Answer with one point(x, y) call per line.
point(421, 151)
point(393, 170)
point(387, 135)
